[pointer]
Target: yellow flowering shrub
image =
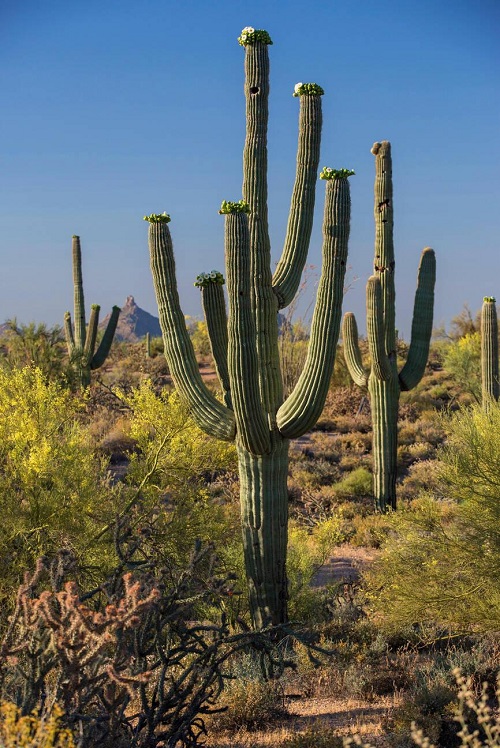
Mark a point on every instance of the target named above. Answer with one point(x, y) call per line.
point(33, 731)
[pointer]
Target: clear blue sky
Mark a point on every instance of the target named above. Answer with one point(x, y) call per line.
point(111, 110)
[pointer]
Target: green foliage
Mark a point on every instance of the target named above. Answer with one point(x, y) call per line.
point(308, 550)
point(34, 345)
point(328, 173)
point(53, 489)
point(442, 562)
point(308, 89)
point(249, 35)
point(198, 333)
point(228, 207)
point(463, 361)
point(158, 218)
point(359, 482)
point(172, 464)
point(204, 279)
point(32, 730)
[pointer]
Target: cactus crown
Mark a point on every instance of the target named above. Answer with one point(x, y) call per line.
point(158, 218)
point(307, 89)
point(205, 279)
point(249, 35)
point(328, 173)
point(491, 299)
point(228, 207)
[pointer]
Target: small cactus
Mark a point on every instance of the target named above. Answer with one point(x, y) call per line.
point(81, 341)
point(489, 352)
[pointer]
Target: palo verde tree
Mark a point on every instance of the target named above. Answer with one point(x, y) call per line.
point(245, 342)
point(82, 341)
point(383, 381)
point(489, 351)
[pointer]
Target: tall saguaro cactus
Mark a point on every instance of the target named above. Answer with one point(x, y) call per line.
point(489, 352)
point(383, 381)
point(82, 341)
point(245, 342)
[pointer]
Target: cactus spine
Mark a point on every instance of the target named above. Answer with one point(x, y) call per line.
point(246, 345)
point(489, 352)
point(383, 381)
point(82, 341)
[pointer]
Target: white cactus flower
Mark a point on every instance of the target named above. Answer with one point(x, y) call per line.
point(297, 87)
point(248, 30)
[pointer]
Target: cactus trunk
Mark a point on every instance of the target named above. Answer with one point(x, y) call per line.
point(264, 520)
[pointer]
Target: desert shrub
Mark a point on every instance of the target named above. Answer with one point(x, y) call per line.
point(357, 483)
point(315, 736)
point(249, 703)
point(54, 490)
point(35, 346)
point(32, 730)
point(422, 476)
point(129, 661)
point(172, 464)
point(463, 362)
point(442, 562)
point(308, 549)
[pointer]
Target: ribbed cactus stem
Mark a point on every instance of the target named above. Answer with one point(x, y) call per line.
point(264, 300)
point(251, 420)
point(302, 409)
point(384, 263)
point(381, 366)
point(211, 416)
point(79, 302)
point(489, 352)
point(421, 328)
point(288, 273)
point(352, 351)
point(214, 309)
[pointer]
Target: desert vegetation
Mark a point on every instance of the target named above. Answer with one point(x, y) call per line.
point(200, 539)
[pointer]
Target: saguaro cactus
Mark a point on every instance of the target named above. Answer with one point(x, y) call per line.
point(383, 381)
point(489, 351)
point(82, 341)
point(245, 343)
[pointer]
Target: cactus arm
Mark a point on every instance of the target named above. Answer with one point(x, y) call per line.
point(210, 415)
point(302, 409)
point(352, 353)
point(251, 421)
point(91, 336)
point(104, 348)
point(384, 263)
point(489, 352)
point(264, 300)
point(68, 331)
point(287, 276)
point(421, 327)
point(79, 302)
point(381, 366)
point(214, 309)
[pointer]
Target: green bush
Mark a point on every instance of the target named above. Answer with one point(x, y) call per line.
point(54, 490)
point(441, 563)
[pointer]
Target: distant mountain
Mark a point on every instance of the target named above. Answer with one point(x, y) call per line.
point(134, 323)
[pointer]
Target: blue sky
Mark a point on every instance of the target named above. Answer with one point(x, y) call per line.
point(111, 110)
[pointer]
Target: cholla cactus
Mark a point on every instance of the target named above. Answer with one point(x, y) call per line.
point(82, 341)
point(245, 343)
point(489, 351)
point(383, 381)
